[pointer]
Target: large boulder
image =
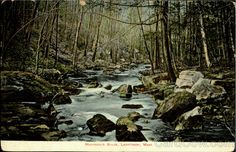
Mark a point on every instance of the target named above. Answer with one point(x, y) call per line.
point(124, 90)
point(192, 119)
point(151, 81)
point(99, 125)
point(188, 78)
point(175, 105)
point(21, 86)
point(126, 130)
point(204, 90)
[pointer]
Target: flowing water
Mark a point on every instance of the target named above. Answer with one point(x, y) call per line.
point(93, 101)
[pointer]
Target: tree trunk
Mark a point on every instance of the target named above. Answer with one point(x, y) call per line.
point(49, 40)
point(88, 34)
point(208, 63)
point(97, 40)
point(145, 42)
point(29, 29)
point(167, 43)
point(157, 51)
point(79, 23)
point(179, 32)
point(40, 41)
point(56, 53)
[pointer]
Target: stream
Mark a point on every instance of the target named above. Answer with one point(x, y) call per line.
point(93, 101)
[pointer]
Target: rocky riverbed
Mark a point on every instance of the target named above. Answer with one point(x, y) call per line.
point(117, 105)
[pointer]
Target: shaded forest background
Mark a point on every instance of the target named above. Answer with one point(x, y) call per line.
point(71, 34)
point(51, 50)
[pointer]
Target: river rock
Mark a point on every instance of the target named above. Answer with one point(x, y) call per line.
point(99, 125)
point(163, 91)
point(72, 82)
point(72, 87)
point(188, 78)
point(125, 91)
point(108, 87)
point(151, 81)
point(72, 90)
point(192, 119)
point(40, 128)
point(62, 98)
point(204, 90)
point(175, 105)
point(94, 84)
point(53, 135)
point(25, 87)
point(25, 121)
point(65, 121)
point(134, 116)
point(126, 130)
point(132, 106)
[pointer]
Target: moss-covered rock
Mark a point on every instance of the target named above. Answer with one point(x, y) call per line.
point(134, 116)
point(151, 82)
point(94, 84)
point(32, 87)
point(175, 105)
point(163, 91)
point(126, 130)
point(125, 91)
point(99, 125)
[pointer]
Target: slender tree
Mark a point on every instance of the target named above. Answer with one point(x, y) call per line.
point(167, 42)
point(145, 42)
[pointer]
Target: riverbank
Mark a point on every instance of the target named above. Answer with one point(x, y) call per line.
point(36, 109)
